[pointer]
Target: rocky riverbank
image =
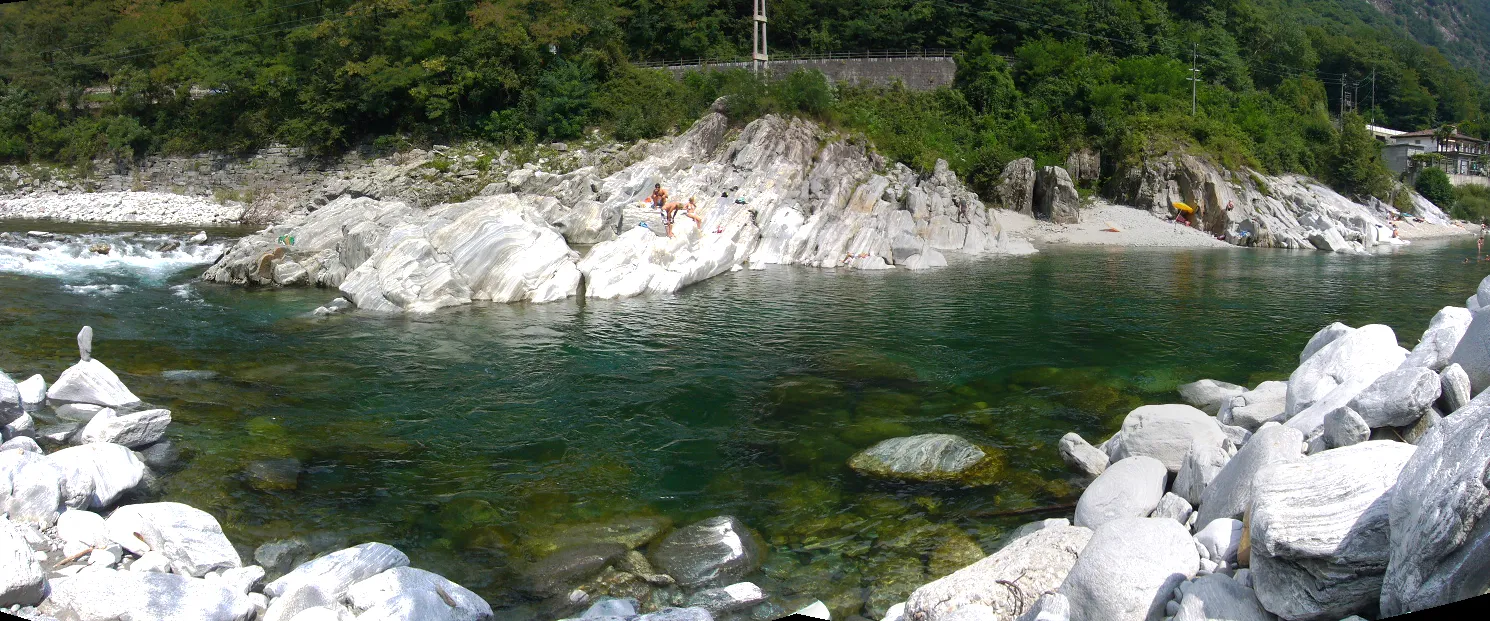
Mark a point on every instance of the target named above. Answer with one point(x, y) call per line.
point(124, 208)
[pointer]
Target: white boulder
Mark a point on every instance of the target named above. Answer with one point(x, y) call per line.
point(1204, 461)
point(190, 538)
point(1337, 373)
point(408, 594)
point(1221, 598)
point(83, 527)
point(1166, 433)
point(324, 580)
point(30, 487)
point(134, 430)
point(1230, 493)
point(1036, 563)
point(1319, 530)
point(90, 381)
point(1081, 456)
point(109, 595)
point(1398, 397)
point(1251, 409)
point(1128, 570)
point(1454, 385)
point(1130, 488)
point(22, 580)
point(1439, 340)
point(33, 391)
point(1209, 395)
point(95, 475)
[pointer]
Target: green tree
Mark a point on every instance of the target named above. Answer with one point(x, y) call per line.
point(1356, 167)
point(1433, 184)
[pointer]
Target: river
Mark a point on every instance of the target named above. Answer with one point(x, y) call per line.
point(465, 438)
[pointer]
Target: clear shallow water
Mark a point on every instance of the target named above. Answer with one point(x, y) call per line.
point(466, 438)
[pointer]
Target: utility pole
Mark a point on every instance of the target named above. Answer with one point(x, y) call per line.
point(1341, 122)
point(1194, 74)
point(758, 56)
point(1373, 96)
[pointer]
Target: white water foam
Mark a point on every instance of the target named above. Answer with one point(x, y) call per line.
point(83, 257)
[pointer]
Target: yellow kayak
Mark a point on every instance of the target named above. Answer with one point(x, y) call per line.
point(1185, 208)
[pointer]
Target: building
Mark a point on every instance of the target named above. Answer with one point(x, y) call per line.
point(1463, 156)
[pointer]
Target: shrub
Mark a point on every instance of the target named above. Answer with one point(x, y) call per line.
point(1434, 185)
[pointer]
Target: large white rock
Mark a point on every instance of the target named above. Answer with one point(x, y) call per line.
point(1251, 409)
point(1218, 597)
point(1209, 394)
point(95, 475)
point(1323, 337)
point(1319, 530)
point(22, 580)
point(1473, 352)
point(10, 399)
point(1454, 385)
point(1129, 569)
point(1166, 433)
point(83, 527)
point(1230, 493)
point(1036, 563)
point(1440, 537)
point(33, 391)
point(323, 581)
point(190, 538)
point(1204, 461)
point(1398, 397)
point(1221, 539)
point(1082, 456)
point(1129, 488)
point(1337, 373)
point(1440, 339)
point(109, 595)
point(30, 487)
point(133, 430)
point(90, 381)
point(408, 594)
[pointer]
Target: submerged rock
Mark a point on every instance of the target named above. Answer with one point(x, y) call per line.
point(1439, 530)
point(560, 572)
point(928, 457)
point(274, 474)
point(1036, 563)
point(709, 552)
point(1319, 530)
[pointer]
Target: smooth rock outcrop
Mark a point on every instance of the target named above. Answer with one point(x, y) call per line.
point(22, 580)
point(408, 594)
point(109, 595)
point(1473, 352)
point(1319, 530)
point(324, 580)
point(90, 381)
point(1055, 197)
point(1337, 373)
point(709, 552)
point(926, 457)
point(1440, 339)
point(191, 539)
point(1166, 433)
point(1016, 188)
point(1398, 397)
point(1323, 337)
point(30, 487)
point(134, 430)
point(1440, 537)
point(1251, 409)
point(95, 475)
point(1230, 493)
point(1081, 456)
point(1209, 395)
point(1130, 488)
point(1004, 581)
point(1129, 569)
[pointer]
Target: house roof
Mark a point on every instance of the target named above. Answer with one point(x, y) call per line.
point(1428, 133)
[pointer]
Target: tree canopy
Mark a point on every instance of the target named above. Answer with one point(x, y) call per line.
point(81, 79)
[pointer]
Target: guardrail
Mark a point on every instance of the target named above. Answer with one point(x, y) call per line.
point(921, 53)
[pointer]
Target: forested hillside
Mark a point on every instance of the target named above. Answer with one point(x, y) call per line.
point(85, 78)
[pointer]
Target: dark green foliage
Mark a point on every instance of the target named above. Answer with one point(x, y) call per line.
point(234, 75)
point(1472, 203)
point(1434, 185)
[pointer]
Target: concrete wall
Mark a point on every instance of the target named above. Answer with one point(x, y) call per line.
point(922, 74)
point(1469, 180)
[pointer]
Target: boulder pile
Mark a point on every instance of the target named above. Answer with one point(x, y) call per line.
point(1357, 487)
point(76, 542)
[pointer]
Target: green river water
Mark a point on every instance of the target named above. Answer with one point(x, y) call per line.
point(467, 438)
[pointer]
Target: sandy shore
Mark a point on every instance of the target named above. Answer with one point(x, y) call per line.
point(117, 207)
point(1410, 230)
point(1135, 227)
